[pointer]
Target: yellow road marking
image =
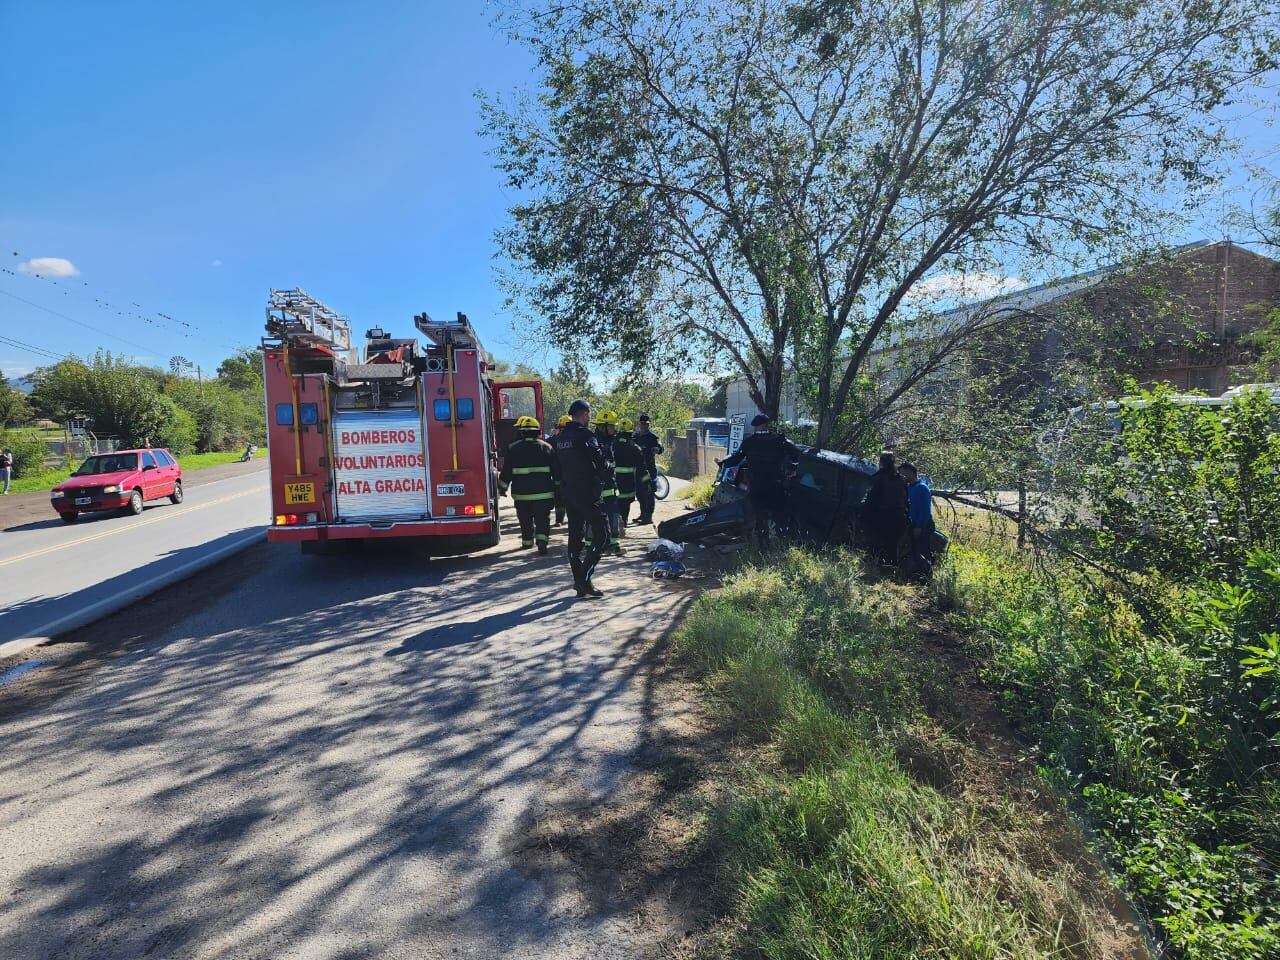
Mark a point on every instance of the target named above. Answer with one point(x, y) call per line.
point(167, 515)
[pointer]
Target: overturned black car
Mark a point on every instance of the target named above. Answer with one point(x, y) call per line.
point(824, 505)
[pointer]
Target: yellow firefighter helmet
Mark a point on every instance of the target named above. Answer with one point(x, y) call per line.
point(564, 421)
point(625, 425)
point(606, 418)
point(526, 423)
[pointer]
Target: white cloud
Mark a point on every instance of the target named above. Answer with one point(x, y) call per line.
point(215, 263)
point(49, 267)
point(978, 285)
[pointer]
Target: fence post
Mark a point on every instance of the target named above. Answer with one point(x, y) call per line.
point(1022, 514)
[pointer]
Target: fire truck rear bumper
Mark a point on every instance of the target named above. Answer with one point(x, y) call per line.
point(370, 531)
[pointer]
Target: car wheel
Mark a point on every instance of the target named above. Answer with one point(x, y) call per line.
point(135, 503)
point(176, 496)
point(68, 517)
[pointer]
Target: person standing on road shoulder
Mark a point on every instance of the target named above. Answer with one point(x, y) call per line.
point(769, 458)
point(6, 468)
point(884, 511)
point(526, 470)
point(630, 470)
point(649, 445)
point(581, 469)
point(920, 515)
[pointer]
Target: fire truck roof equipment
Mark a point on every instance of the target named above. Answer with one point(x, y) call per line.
point(297, 316)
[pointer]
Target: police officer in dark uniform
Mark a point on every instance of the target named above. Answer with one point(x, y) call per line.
point(630, 472)
point(649, 445)
point(769, 457)
point(559, 501)
point(526, 470)
point(581, 470)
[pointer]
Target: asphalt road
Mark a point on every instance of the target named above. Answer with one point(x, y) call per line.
point(53, 574)
point(330, 758)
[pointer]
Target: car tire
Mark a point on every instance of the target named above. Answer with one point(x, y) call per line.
point(134, 506)
point(176, 496)
point(69, 517)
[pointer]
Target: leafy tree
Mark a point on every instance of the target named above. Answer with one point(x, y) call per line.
point(734, 183)
point(243, 371)
point(14, 408)
point(120, 397)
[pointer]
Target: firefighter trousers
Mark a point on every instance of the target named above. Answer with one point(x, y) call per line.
point(614, 517)
point(585, 517)
point(624, 514)
point(535, 522)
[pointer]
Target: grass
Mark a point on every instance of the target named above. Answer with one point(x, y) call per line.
point(859, 828)
point(698, 492)
point(38, 482)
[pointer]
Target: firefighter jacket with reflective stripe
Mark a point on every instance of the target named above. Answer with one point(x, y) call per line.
point(630, 467)
point(527, 470)
point(610, 475)
point(579, 465)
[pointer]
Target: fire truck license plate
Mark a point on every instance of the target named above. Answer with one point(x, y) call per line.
point(299, 492)
point(450, 490)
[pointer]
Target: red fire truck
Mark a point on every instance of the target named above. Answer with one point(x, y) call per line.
point(405, 441)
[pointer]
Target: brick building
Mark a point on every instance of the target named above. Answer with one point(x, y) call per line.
point(1186, 320)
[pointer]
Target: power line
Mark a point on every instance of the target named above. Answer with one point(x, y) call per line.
point(31, 348)
point(167, 323)
point(56, 313)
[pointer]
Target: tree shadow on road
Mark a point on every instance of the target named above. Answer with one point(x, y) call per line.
point(332, 758)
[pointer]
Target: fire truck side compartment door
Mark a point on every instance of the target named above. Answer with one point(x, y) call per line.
point(379, 471)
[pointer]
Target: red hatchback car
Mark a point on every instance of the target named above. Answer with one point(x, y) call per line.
point(123, 480)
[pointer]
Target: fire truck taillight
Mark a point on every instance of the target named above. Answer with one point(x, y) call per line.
point(476, 511)
point(293, 519)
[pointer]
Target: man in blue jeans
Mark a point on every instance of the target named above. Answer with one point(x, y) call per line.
point(920, 515)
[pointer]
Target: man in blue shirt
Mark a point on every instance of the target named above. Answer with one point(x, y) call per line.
point(920, 515)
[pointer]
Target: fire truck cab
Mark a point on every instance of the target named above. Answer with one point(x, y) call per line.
point(404, 440)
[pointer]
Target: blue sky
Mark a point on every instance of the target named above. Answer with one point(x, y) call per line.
point(186, 157)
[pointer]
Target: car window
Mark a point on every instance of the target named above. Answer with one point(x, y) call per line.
point(108, 463)
point(163, 458)
point(148, 460)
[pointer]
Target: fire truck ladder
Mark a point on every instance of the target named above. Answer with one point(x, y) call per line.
point(295, 315)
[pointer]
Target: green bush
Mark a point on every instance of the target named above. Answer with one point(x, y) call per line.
point(28, 451)
point(1169, 735)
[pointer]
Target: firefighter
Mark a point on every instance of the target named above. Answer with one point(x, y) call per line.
point(630, 470)
point(580, 467)
point(526, 470)
point(606, 424)
point(559, 500)
point(648, 443)
point(770, 458)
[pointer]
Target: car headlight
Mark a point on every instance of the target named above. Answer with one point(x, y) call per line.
point(111, 489)
point(57, 494)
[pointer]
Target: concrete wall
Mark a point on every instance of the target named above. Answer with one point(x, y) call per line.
point(689, 458)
